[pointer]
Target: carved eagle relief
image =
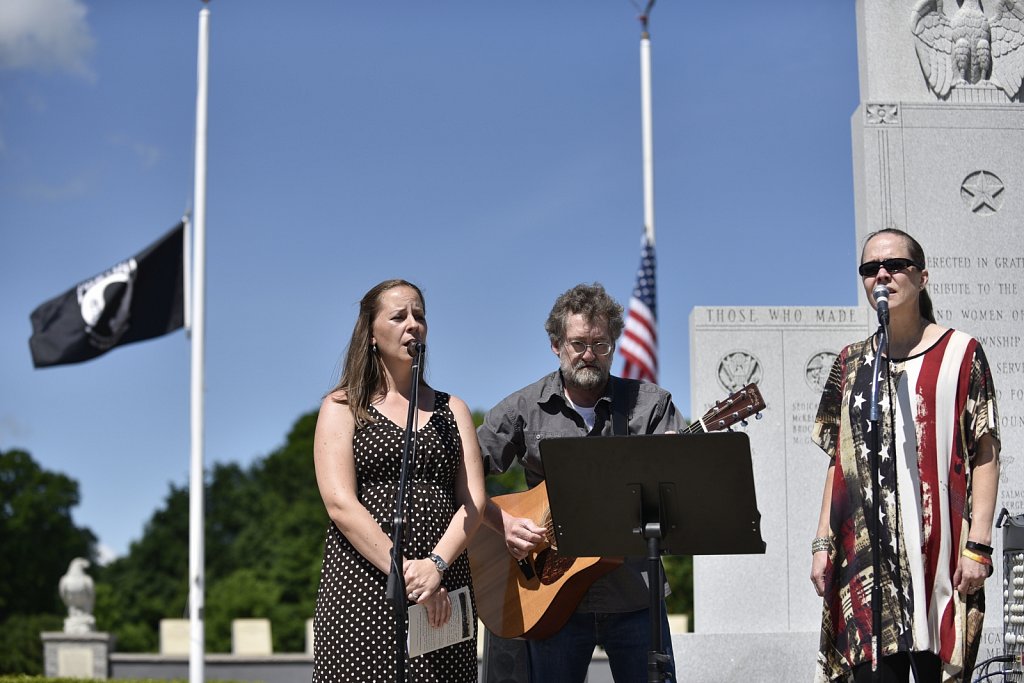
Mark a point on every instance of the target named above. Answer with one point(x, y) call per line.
point(970, 46)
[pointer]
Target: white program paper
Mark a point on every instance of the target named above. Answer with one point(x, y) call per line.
point(425, 638)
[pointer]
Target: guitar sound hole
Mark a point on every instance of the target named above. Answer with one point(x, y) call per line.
point(551, 566)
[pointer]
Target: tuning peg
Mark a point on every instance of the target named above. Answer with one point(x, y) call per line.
point(758, 416)
point(744, 423)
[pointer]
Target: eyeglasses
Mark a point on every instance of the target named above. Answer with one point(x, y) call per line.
point(891, 265)
point(599, 348)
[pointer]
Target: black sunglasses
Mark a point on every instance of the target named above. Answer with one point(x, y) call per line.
point(892, 266)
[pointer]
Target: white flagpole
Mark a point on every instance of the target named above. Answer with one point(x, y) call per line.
point(196, 479)
point(648, 126)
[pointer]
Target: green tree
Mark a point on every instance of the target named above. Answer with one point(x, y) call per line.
point(265, 527)
point(21, 649)
point(38, 539)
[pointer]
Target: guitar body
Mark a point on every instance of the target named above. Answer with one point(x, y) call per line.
point(534, 603)
point(534, 598)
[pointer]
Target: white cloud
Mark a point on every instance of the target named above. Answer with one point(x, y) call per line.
point(105, 554)
point(148, 154)
point(45, 35)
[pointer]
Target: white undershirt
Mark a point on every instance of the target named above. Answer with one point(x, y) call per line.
point(586, 413)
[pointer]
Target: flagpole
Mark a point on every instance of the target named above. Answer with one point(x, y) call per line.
point(647, 122)
point(196, 479)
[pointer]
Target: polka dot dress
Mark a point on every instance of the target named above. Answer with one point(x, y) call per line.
point(354, 626)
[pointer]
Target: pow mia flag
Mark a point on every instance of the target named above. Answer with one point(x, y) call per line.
point(136, 299)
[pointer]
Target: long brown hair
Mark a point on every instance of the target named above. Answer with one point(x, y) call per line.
point(924, 301)
point(363, 379)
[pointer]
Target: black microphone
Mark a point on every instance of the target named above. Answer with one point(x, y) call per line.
point(881, 296)
point(415, 347)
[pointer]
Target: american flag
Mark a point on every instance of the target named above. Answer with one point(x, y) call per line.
point(639, 343)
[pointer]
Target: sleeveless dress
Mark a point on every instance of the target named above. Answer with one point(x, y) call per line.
point(354, 626)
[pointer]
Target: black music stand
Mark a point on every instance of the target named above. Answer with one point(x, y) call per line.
point(650, 496)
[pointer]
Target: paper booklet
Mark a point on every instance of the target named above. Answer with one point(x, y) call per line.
point(462, 626)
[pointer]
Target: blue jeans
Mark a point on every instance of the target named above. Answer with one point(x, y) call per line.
point(626, 638)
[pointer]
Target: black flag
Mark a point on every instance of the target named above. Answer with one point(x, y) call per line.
point(139, 298)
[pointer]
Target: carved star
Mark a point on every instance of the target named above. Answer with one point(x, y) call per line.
point(983, 189)
point(858, 400)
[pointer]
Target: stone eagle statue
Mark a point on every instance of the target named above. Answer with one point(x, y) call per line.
point(77, 592)
point(970, 46)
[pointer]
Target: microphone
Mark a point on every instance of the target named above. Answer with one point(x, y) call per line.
point(881, 296)
point(415, 347)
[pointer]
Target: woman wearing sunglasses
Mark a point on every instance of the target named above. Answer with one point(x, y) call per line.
point(938, 476)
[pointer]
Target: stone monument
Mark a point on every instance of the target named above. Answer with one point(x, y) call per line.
point(756, 617)
point(937, 141)
point(937, 146)
point(79, 651)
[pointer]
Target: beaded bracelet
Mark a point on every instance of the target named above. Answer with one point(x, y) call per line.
point(979, 548)
point(819, 544)
point(980, 559)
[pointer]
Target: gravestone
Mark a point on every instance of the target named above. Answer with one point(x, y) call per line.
point(251, 637)
point(175, 636)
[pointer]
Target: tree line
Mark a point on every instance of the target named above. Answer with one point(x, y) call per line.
point(265, 526)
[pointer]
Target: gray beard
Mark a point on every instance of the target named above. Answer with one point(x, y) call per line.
point(582, 377)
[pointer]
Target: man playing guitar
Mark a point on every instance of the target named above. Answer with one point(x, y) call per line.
point(581, 398)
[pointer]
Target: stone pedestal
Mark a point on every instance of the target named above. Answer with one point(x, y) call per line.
point(77, 655)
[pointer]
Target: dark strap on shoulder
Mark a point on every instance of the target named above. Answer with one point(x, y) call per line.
point(620, 402)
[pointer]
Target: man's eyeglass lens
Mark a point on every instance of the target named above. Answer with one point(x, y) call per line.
point(599, 348)
point(892, 265)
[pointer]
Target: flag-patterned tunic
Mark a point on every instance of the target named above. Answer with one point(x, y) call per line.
point(935, 407)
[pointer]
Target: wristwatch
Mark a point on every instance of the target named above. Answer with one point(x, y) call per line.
point(441, 565)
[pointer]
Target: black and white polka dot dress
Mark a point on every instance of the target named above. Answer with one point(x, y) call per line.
point(354, 626)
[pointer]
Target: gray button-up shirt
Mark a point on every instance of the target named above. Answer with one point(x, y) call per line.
point(514, 428)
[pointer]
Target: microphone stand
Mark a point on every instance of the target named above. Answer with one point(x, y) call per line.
point(396, 578)
point(875, 444)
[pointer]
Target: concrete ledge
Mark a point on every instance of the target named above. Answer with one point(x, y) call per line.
point(280, 668)
point(730, 657)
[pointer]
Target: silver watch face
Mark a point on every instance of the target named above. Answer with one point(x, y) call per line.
point(441, 564)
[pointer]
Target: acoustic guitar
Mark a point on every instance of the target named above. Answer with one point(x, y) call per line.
point(534, 597)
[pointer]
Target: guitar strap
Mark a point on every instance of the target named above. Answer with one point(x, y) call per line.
point(620, 401)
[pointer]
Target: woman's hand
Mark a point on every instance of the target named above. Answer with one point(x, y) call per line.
point(970, 576)
point(818, 563)
point(439, 607)
point(421, 579)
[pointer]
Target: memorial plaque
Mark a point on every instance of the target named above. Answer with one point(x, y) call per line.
point(75, 662)
point(788, 351)
point(950, 175)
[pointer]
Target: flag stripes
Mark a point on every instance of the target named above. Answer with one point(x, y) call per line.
point(638, 345)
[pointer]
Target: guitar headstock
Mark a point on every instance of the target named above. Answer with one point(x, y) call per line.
point(736, 408)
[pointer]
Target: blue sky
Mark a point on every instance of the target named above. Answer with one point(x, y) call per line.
point(488, 151)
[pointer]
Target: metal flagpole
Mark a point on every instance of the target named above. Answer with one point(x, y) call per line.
point(196, 479)
point(648, 126)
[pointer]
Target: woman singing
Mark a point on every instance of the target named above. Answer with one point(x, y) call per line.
point(357, 452)
point(938, 474)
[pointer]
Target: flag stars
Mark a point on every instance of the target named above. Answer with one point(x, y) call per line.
point(858, 400)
